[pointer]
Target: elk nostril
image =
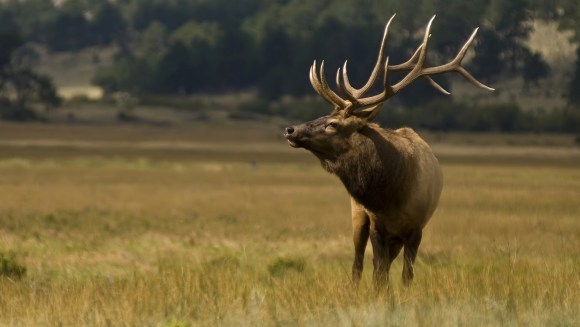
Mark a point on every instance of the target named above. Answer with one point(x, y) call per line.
point(289, 130)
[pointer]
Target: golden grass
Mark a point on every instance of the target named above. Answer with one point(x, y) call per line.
point(180, 235)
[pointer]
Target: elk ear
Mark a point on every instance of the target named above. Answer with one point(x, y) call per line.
point(367, 114)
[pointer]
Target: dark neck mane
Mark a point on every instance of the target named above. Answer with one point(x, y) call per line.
point(376, 170)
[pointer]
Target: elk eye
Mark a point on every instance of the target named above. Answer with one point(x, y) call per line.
point(332, 124)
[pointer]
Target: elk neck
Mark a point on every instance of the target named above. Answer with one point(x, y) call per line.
point(377, 170)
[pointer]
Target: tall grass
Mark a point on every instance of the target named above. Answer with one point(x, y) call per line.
point(187, 240)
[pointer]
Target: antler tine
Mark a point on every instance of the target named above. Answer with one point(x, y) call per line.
point(387, 90)
point(337, 81)
point(354, 93)
point(386, 75)
point(461, 54)
point(350, 92)
point(375, 106)
point(409, 64)
point(318, 86)
point(341, 87)
point(314, 81)
point(416, 71)
point(472, 79)
point(437, 86)
point(335, 98)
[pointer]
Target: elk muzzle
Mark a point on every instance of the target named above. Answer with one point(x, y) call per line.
point(291, 135)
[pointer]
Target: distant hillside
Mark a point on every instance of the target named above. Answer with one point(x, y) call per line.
point(72, 72)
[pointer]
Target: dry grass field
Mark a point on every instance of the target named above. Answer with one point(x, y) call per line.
point(227, 225)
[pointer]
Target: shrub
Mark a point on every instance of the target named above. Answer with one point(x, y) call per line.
point(282, 266)
point(9, 267)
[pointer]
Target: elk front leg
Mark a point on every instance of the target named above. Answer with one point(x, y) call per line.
point(410, 253)
point(360, 229)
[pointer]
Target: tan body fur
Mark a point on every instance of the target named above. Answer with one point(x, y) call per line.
point(393, 227)
point(393, 178)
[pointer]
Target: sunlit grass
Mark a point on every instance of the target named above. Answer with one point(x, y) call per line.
point(208, 239)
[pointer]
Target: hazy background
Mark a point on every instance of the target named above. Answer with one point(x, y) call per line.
point(249, 59)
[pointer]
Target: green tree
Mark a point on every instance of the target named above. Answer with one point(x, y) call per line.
point(20, 85)
point(501, 45)
point(189, 63)
point(129, 74)
point(511, 21)
point(277, 48)
point(456, 20)
point(186, 70)
point(488, 60)
point(193, 32)
point(570, 17)
point(570, 20)
point(573, 93)
point(171, 14)
point(108, 24)
point(68, 31)
point(535, 68)
point(153, 43)
point(32, 17)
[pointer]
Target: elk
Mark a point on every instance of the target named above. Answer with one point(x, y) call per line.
point(393, 178)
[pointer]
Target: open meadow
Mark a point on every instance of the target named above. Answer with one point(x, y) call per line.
point(133, 225)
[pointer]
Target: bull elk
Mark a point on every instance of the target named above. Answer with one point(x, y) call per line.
point(393, 178)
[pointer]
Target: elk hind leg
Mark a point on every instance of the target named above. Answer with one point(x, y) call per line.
point(410, 253)
point(360, 226)
point(381, 260)
point(395, 245)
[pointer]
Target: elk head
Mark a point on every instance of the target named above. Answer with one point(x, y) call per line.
point(328, 136)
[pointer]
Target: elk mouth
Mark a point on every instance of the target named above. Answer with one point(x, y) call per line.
point(294, 143)
point(302, 144)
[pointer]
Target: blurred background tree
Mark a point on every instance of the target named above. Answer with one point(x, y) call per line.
point(185, 47)
point(19, 83)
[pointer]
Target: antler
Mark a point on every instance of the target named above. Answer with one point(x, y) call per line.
point(415, 65)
